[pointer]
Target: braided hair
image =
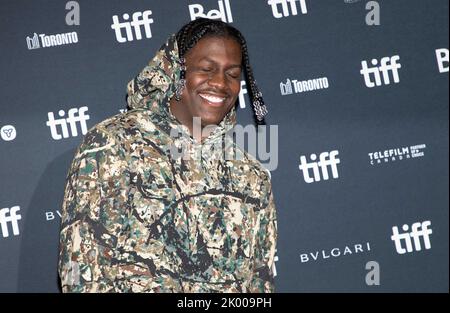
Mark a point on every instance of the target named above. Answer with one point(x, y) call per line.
point(190, 34)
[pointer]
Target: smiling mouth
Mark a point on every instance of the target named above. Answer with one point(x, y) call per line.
point(214, 100)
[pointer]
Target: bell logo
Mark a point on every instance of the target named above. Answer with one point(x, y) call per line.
point(223, 13)
point(442, 60)
point(75, 115)
point(10, 216)
point(418, 230)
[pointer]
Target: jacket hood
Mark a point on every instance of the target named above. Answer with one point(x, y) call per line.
point(152, 89)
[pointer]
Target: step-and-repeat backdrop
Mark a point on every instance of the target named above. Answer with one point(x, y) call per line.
point(358, 150)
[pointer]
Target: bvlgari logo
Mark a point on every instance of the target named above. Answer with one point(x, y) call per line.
point(335, 252)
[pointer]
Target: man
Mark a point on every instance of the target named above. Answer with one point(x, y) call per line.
point(152, 203)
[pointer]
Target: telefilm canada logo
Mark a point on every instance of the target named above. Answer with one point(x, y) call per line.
point(396, 154)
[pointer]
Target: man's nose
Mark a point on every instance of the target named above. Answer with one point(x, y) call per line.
point(218, 80)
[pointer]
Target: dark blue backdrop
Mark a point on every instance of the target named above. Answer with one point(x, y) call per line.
point(358, 90)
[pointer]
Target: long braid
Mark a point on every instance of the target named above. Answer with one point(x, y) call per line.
point(259, 107)
point(191, 33)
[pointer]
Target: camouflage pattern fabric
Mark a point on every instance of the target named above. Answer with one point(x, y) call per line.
point(137, 219)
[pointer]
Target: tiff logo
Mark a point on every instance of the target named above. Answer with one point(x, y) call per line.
point(274, 267)
point(242, 92)
point(418, 230)
point(10, 216)
point(388, 64)
point(223, 13)
point(285, 8)
point(139, 19)
point(442, 58)
point(326, 159)
point(74, 116)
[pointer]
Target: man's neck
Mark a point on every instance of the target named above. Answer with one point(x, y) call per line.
point(197, 130)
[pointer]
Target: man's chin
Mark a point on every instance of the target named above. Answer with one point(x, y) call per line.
point(210, 122)
point(207, 120)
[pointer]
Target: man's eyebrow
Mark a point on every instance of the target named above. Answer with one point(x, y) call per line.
point(212, 61)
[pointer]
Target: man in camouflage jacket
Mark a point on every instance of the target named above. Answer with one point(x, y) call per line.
point(136, 218)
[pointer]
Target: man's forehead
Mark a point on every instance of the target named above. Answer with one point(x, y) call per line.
point(216, 50)
point(216, 45)
point(209, 59)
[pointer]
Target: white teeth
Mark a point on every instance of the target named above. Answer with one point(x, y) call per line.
point(211, 98)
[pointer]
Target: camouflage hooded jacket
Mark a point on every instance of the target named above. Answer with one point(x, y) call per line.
point(137, 219)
